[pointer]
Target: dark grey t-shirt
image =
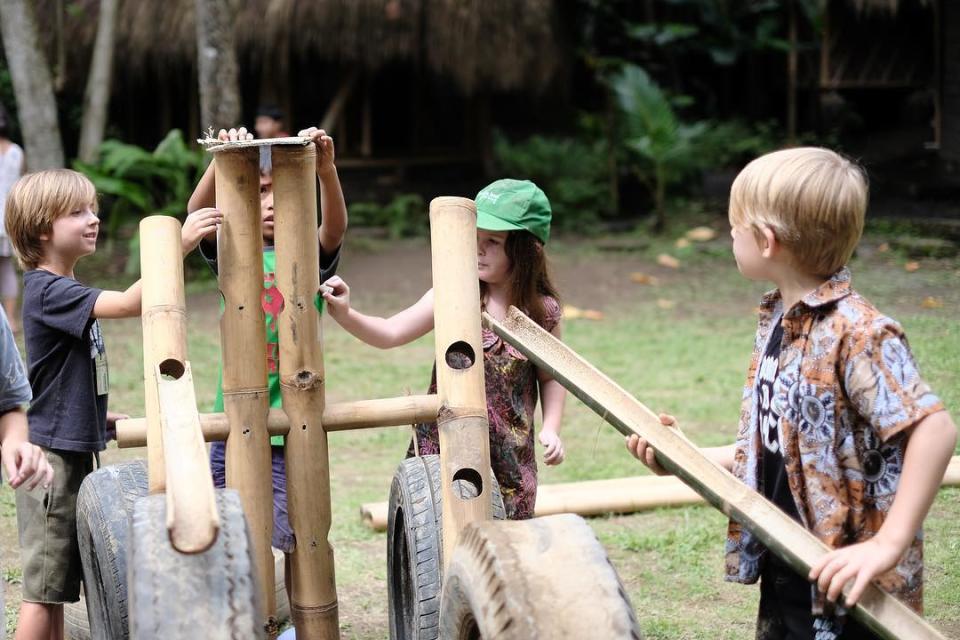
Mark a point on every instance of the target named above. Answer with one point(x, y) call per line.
point(66, 363)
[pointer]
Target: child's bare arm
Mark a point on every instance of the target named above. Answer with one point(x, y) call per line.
point(119, 304)
point(334, 208)
point(383, 333)
point(24, 462)
point(200, 225)
point(932, 441)
point(552, 400)
point(205, 193)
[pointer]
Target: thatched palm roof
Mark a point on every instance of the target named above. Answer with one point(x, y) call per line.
point(500, 44)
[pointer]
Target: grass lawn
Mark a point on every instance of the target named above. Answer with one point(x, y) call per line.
point(681, 345)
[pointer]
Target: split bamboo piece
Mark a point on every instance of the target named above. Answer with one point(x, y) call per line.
point(617, 495)
point(341, 416)
point(163, 317)
point(243, 340)
point(799, 548)
point(192, 518)
point(171, 407)
point(313, 603)
point(462, 421)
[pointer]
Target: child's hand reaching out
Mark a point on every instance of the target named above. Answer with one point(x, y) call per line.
point(640, 449)
point(337, 295)
point(199, 225)
point(325, 151)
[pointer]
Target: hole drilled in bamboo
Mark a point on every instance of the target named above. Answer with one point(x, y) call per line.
point(460, 355)
point(467, 483)
point(172, 369)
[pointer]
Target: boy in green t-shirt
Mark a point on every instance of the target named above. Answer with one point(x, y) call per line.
point(330, 236)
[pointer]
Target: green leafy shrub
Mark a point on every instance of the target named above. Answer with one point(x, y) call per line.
point(134, 182)
point(405, 215)
point(572, 172)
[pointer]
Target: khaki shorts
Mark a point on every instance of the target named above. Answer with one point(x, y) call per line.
point(47, 523)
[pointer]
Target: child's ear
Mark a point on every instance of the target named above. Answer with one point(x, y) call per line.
point(767, 239)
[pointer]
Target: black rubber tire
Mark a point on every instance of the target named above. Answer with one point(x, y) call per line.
point(534, 579)
point(104, 513)
point(415, 545)
point(173, 595)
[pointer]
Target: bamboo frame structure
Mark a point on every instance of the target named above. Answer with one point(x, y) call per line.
point(799, 548)
point(614, 495)
point(340, 416)
point(462, 420)
point(242, 333)
point(171, 408)
point(313, 602)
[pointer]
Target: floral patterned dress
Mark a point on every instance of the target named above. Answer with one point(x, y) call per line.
point(512, 394)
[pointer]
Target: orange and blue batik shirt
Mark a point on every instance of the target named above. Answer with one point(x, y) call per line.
point(847, 392)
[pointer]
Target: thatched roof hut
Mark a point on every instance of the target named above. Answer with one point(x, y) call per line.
point(495, 44)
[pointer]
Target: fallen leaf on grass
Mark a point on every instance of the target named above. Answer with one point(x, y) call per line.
point(931, 303)
point(668, 261)
point(663, 303)
point(642, 278)
point(571, 312)
point(701, 234)
point(681, 243)
point(911, 266)
point(884, 247)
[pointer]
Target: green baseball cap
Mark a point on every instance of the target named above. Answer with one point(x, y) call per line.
point(514, 205)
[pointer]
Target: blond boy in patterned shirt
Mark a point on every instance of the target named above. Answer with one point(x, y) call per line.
point(836, 426)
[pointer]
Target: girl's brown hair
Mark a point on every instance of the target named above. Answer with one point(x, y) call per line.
point(529, 275)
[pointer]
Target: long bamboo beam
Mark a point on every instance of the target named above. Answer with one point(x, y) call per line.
point(340, 416)
point(243, 340)
point(313, 601)
point(615, 495)
point(462, 421)
point(799, 548)
point(192, 519)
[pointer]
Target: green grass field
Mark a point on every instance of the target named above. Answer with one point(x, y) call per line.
point(681, 346)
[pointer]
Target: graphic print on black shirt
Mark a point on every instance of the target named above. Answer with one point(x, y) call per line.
point(773, 475)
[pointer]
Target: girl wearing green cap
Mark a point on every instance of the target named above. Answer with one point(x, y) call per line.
point(513, 225)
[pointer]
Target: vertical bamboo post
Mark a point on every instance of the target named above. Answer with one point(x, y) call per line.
point(163, 317)
point(313, 602)
point(243, 340)
point(462, 421)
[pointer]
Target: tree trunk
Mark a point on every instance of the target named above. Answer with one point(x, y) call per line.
point(217, 64)
point(96, 100)
point(32, 86)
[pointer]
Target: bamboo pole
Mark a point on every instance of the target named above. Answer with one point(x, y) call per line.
point(341, 416)
point(617, 495)
point(799, 548)
point(313, 603)
point(192, 518)
point(243, 340)
point(462, 421)
point(163, 317)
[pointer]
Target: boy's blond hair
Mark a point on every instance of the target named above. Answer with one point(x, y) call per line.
point(35, 201)
point(813, 199)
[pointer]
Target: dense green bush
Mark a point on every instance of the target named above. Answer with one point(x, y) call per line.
point(133, 182)
point(405, 215)
point(572, 172)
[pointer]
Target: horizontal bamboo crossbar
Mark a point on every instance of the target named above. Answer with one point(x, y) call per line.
point(787, 538)
point(616, 495)
point(342, 416)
